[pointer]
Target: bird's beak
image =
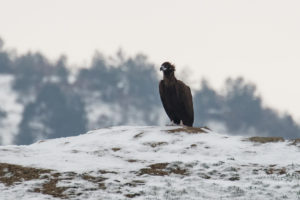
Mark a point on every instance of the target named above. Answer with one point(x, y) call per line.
point(162, 68)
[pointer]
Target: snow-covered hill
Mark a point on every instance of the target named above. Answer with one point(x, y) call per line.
point(151, 163)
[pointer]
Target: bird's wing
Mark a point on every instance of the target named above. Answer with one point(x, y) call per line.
point(187, 100)
point(164, 100)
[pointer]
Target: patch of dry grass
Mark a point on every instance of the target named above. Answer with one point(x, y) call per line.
point(160, 169)
point(265, 139)
point(295, 141)
point(278, 171)
point(138, 135)
point(155, 144)
point(11, 174)
point(192, 130)
point(132, 195)
point(51, 188)
point(116, 149)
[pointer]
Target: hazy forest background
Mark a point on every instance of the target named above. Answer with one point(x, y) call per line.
point(58, 102)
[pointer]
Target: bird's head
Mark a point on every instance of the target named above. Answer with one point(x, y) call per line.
point(167, 68)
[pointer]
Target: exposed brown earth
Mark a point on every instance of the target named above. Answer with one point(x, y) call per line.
point(155, 144)
point(11, 174)
point(295, 141)
point(192, 130)
point(266, 139)
point(160, 169)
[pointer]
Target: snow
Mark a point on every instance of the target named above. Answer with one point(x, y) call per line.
point(219, 166)
point(101, 113)
point(13, 109)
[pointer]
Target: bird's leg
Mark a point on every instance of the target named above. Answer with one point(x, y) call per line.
point(172, 123)
point(181, 123)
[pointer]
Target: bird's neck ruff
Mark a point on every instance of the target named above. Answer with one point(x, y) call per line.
point(169, 79)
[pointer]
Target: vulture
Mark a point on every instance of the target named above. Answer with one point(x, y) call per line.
point(176, 97)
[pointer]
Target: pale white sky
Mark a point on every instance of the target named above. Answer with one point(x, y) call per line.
point(257, 39)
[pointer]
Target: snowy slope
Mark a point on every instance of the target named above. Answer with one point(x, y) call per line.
point(151, 163)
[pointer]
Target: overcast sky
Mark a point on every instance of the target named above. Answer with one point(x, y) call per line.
point(257, 39)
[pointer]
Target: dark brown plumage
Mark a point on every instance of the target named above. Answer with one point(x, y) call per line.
point(176, 97)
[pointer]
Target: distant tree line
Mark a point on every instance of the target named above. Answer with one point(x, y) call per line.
point(123, 90)
point(241, 111)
